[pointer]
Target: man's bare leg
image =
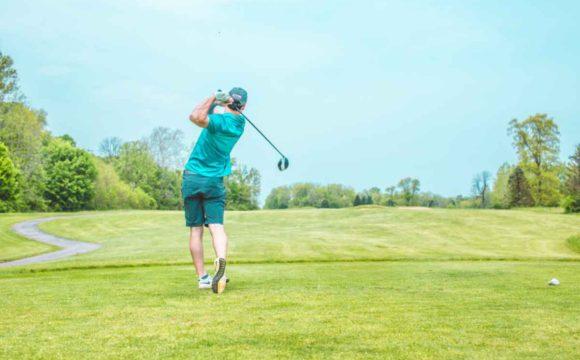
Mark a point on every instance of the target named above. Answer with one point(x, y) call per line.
point(196, 249)
point(219, 240)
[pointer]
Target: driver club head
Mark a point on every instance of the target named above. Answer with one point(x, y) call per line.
point(283, 164)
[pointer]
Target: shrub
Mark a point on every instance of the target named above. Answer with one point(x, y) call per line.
point(9, 181)
point(571, 204)
point(112, 193)
point(574, 243)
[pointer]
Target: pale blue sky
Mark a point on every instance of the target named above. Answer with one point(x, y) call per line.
point(359, 93)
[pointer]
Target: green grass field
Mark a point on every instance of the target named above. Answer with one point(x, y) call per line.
point(13, 246)
point(367, 233)
point(352, 283)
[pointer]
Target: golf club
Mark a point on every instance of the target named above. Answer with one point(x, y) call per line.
point(284, 162)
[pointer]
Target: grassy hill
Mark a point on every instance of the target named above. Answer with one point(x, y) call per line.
point(364, 233)
point(351, 283)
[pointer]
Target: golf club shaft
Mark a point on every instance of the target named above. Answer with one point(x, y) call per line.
point(261, 133)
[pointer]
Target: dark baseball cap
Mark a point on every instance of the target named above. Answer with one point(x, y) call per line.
point(240, 95)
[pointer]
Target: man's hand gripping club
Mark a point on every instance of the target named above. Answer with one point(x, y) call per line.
point(199, 114)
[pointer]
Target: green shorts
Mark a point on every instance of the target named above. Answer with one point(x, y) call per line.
point(204, 199)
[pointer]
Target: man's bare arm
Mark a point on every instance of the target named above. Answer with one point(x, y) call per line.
point(199, 114)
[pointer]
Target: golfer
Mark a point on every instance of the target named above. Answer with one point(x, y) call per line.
point(203, 188)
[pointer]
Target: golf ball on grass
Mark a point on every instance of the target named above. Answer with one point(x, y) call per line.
point(554, 282)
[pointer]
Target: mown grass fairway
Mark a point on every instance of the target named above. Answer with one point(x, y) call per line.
point(358, 283)
point(364, 233)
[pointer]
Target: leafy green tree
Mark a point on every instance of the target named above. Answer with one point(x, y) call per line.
point(376, 195)
point(390, 193)
point(8, 80)
point(519, 189)
point(415, 187)
point(304, 195)
point(137, 167)
point(70, 176)
point(22, 130)
point(279, 198)
point(9, 181)
point(537, 142)
point(67, 138)
point(499, 194)
point(409, 188)
point(405, 186)
point(168, 193)
point(357, 200)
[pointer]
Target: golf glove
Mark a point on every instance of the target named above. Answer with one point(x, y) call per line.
point(222, 98)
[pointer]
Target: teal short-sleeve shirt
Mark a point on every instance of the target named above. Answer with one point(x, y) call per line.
point(211, 154)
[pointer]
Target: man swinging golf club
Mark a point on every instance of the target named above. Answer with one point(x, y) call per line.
point(203, 188)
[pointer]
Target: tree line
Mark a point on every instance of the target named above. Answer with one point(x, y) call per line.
point(539, 178)
point(43, 172)
point(405, 193)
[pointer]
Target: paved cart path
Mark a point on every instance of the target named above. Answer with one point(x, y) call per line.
point(29, 229)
